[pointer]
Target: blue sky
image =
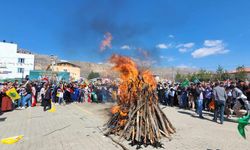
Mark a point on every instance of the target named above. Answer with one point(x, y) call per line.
point(193, 33)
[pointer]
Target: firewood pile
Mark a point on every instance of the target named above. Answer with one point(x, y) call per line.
point(137, 116)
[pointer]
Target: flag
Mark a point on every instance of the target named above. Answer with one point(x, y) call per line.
point(196, 80)
point(242, 122)
point(185, 83)
point(12, 140)
point(12, 93)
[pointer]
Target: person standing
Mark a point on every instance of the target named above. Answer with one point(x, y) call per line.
point(160, 93)
point(171, 96)
point(104, 94)
point(42, 93)
point(60, 94)
point(66, 95)
point(208, 96)
point(33, 96)
point(200, 97)
point(220, 97)
point(241, 101)
point(47, 97)
point(184, 98)
point(27, 96)
point(192, 96)
point(21, 92)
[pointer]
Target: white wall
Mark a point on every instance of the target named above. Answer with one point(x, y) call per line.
point(9, 61)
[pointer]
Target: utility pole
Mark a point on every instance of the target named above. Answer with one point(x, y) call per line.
point(52, 58)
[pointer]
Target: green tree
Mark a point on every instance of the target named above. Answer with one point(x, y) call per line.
point(93, 75)
point(204, 75)
point(241, 73)
point(179, 77)
point(190, 76)
point(225, 75)
point(219, 72)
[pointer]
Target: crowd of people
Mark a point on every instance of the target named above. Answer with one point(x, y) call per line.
point(60, 93)
point(229, 97)
point(223, 98)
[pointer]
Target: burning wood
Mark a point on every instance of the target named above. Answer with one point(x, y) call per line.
point(137, 116)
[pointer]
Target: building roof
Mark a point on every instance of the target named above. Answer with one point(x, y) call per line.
point(247, 70)
point(68, 63)
point(23, 51)
point(63, 63)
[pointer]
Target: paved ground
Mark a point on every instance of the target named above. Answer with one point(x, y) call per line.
point(78, 127)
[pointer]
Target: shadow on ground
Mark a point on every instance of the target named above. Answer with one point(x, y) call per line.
point(3, 119)
point(192, 114)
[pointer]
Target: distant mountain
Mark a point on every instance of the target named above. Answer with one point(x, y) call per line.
point(42, 62)
point(86, 67)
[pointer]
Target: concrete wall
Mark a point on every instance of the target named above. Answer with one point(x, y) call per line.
point(9, 61)
point(74, 71)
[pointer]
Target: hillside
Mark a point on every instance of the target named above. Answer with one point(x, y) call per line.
point(42, 62)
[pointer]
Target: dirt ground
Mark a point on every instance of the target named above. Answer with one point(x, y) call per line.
point(78, 126)
point(194, 133)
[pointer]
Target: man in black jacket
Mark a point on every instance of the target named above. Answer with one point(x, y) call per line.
point(47, 97)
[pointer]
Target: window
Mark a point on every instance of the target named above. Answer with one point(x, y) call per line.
point(20, 70)
point(21, 60)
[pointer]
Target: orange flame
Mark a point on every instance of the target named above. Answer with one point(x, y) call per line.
point(149, 78)
point(115, 109)
point(131, 78)
point(122, 122)
point(106, 42)
point(128, 73)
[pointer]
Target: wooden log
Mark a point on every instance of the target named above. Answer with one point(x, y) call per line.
point(160, 117)
point(166, 135)
point(152, 121)
point(133, 133)
point(146, 121)
point(131, 117)
point(170, 126)
point(137, 126)
point(157, 133)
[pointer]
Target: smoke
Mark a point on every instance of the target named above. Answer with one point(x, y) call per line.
point(92, 19)
point(106, 42)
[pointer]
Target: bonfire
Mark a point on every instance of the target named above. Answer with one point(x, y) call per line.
point(137, 116)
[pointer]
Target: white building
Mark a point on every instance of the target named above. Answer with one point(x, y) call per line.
point(14, 64)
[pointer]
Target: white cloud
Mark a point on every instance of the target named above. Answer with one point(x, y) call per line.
point(171, 36)
point(183, 50)
point(188, 45)
point(211, 47)
point(169, 59)
point(211, 43)
point(126, 47)
point(163, 46)
point(185, 47)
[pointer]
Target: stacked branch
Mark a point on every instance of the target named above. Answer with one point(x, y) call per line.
point(137, 116)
